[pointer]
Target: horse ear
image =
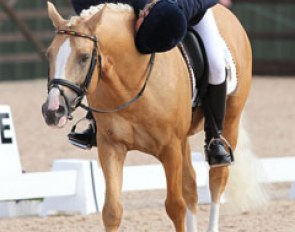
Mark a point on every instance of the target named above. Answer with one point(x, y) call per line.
point(93, 21)
point(55, 17)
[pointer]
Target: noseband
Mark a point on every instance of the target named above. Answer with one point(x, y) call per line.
point(82, 89)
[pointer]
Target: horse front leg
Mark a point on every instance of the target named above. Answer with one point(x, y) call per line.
point(112, 157)
point(171, 158)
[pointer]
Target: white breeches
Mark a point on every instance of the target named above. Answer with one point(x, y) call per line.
point(213, 43)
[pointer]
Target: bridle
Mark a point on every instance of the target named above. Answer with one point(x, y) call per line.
point(81, 90)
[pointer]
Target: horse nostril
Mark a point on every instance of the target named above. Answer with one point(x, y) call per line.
point(61, 110)
point(50, 117)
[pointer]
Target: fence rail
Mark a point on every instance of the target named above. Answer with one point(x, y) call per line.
point(25, 33)
point(269, 24)
point(271, 29)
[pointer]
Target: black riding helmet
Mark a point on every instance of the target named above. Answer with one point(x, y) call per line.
point(162, 29)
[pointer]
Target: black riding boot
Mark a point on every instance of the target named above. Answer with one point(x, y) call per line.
point(87, 138)
point(217, 149)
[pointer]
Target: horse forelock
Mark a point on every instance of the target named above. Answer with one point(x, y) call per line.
point(87, 13)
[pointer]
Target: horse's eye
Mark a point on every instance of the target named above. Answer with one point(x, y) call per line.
point(84, 58)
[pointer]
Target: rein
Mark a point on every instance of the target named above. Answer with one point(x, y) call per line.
point(82, 89)
point(130, 102)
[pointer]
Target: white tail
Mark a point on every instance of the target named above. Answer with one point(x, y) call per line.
point(244, 192)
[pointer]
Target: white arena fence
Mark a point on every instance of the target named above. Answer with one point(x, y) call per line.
point(78, 185)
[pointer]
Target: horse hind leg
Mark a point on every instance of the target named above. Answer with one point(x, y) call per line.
point(189, 188)
point(218, 176)
point(171, 158)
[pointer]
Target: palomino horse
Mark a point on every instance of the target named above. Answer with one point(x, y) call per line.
point(94, 55)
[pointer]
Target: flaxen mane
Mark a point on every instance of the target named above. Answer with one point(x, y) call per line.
point(87, 13)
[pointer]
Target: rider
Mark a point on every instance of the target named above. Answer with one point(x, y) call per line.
point(160, 26)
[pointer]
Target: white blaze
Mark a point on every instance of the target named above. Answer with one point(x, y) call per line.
point(53, 99)
point(60, 71)
point(62, 59)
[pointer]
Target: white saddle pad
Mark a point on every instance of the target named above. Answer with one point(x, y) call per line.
point(232, 80)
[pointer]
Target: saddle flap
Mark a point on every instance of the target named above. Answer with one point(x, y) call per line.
point(196, 53)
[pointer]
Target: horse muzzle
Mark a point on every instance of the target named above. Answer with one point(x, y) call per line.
point(55, 111)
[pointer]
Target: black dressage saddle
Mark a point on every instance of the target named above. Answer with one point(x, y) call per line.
point(195, 51)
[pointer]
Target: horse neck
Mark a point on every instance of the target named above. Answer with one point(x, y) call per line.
point(123, 67)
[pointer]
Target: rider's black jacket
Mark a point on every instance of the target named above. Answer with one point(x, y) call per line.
point(194, 10)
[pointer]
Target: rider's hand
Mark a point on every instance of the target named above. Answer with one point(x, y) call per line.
point(142, 14)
